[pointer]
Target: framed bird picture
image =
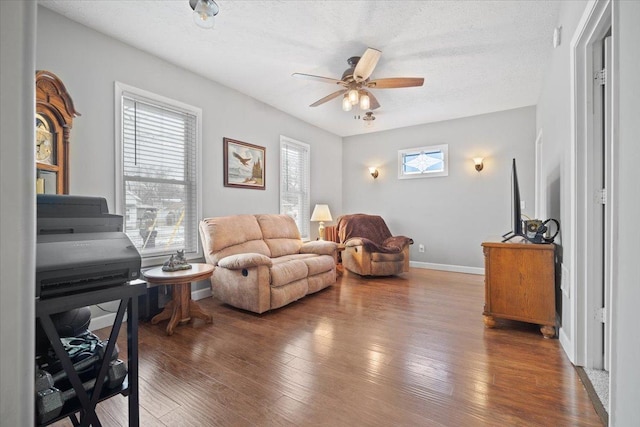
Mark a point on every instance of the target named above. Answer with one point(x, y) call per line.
point(244, 164)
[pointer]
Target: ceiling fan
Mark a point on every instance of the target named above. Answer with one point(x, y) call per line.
point(356, 82)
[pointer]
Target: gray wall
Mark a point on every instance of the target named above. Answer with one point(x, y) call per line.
point(17, 211)
point(89, 62)
point(625, 351)
point(554, 121)
point(450, 215)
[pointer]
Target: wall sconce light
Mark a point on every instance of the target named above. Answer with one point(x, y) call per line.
point(479, 162)
point(374, 172)
point(321, 213)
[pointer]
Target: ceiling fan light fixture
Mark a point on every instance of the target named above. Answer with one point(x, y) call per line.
point(346, 103)
point(204, 12)
point(356, 82)
point(365, 102)
point(354, 96)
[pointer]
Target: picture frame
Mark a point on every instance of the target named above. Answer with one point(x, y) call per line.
point(244, 164)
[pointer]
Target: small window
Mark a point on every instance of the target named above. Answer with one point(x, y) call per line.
point(423, 162)
point(295, 182)
point(157, 188)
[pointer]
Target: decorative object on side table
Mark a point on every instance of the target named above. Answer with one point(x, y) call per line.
point(176, 262)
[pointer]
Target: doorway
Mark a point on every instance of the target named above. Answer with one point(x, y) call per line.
point(599, 286)
point(594, 201)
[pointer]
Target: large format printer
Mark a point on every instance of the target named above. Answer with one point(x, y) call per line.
point(80, 246)
point(83, 257)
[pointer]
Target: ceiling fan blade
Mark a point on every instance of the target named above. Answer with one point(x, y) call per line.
point(373, 102)
point(318, 78)
point(395, 82)
point(366, 64)
point(328, 98)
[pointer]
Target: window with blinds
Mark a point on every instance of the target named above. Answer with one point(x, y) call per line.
point(295, 182)
point(158, 188)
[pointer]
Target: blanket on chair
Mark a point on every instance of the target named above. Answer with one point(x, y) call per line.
point(373, 232)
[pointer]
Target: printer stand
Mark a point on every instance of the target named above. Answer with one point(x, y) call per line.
point(86, 402)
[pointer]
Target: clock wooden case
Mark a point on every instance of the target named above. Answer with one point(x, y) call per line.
point(54, 119)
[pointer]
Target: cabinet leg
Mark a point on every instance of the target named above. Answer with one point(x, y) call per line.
point(548, 331)
point(489, 321)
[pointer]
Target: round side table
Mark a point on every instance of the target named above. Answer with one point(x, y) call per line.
point(181, 307)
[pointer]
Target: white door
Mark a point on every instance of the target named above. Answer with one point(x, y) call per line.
point(601, 208)
point(608, 205)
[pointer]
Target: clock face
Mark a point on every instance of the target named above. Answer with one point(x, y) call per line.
point(44, 141)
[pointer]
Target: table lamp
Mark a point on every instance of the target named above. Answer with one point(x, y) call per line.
point(321, 213)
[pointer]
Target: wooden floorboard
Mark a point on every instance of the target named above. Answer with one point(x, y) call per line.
point(410, 350)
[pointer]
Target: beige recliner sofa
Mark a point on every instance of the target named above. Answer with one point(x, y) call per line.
point(261, 263)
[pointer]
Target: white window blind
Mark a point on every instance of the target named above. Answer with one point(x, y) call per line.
point(295, 182)
point(159, 175)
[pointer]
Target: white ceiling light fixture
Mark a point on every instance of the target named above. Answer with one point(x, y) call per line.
point(204, 12)
point(368, 119)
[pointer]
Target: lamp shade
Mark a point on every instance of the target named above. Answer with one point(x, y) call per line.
point(354, 96)
point(346, 104)
point(364, 102)
point(321, 213)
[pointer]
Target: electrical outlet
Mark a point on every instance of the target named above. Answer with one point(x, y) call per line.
point(420, 248)
point(523, 204)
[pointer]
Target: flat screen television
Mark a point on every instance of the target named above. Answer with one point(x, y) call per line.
point(516, 218)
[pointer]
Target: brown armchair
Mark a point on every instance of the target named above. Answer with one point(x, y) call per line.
point(370, 249)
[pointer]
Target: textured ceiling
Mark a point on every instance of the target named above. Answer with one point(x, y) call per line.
point(476, 56)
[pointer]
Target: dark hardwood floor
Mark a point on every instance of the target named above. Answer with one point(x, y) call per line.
point(400, 351)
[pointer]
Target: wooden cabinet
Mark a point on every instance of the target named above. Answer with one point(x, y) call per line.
point(520, 284)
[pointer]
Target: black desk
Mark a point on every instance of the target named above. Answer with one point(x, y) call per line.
point(128, 296)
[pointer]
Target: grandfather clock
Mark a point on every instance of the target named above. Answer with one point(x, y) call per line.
point(54, 119)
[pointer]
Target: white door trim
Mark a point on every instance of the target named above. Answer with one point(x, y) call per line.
point(593, 25)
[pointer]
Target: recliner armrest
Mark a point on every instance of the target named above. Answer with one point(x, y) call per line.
point(355, 241)
point(248, 260)
point(319, 247)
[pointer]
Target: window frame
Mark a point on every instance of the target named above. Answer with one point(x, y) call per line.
point(305, 221)
point(442, 148)
point(121, 90)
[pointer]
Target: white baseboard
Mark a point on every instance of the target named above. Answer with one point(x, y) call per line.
point(106, 320)
point(201, 293)
point(447, 267)
point(565, 342)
